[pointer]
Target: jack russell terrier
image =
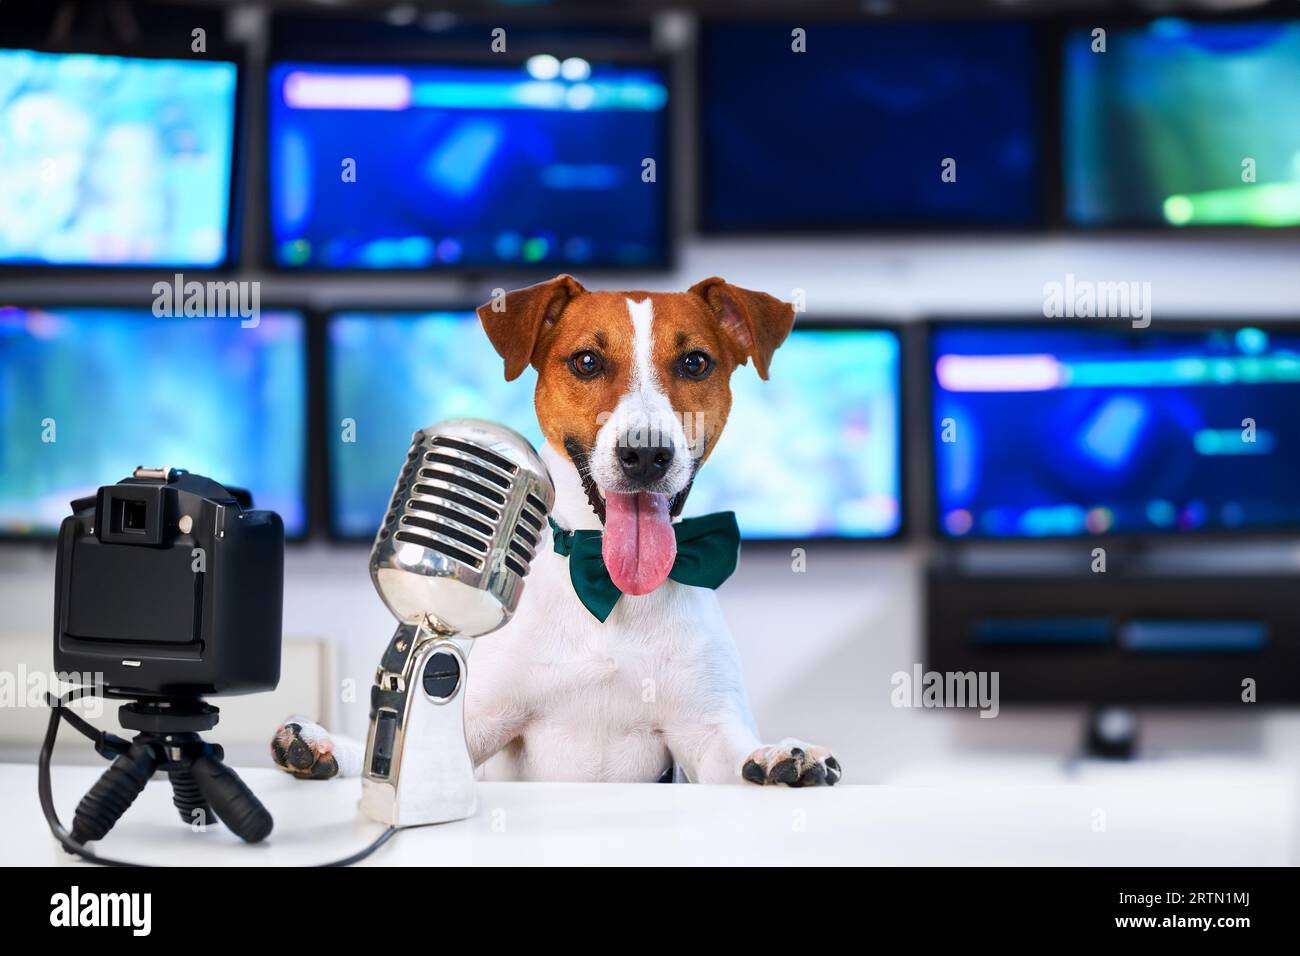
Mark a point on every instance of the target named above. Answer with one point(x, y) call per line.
point(617, 669)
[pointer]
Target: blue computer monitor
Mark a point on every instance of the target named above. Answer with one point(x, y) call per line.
point(1046, 430)
point(88, 394)
point(544, 164)
point(115, 161)
point(813, 452)
point(1181, 123)
point(855, 132)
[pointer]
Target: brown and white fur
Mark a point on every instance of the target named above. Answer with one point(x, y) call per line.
point(556, 694)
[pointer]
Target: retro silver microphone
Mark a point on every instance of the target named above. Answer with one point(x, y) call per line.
point(464, 522)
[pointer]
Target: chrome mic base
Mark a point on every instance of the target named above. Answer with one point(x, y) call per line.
point(466, 516)
point(418, 768)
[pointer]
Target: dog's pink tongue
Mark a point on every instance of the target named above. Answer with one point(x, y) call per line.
point(638, 545)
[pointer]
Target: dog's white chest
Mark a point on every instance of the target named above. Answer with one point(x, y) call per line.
point(600, 693)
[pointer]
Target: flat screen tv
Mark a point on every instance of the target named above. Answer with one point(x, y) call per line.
point(1183, 124)
point(542, 165)
point(116, 161)
point(1060, 429)
point(88, 394)
point(874, 126)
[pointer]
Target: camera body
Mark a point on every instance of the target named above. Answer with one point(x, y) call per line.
point(169, 586)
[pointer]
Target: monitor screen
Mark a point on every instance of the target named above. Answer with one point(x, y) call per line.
point(541, 165)
point(114, 160)
point(813, 452)
point(858, 131)
point(88, 394)
point(1183, 123)
point(1071, 430)
point(389, 375)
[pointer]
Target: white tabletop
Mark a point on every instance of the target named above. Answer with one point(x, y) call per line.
point(1112, 822)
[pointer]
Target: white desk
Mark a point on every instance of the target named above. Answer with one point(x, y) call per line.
point(1111, 822)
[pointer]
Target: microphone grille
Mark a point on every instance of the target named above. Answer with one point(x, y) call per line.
point(458, 499)
point(470, 503)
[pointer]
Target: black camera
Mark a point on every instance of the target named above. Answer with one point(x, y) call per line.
point(169, 586)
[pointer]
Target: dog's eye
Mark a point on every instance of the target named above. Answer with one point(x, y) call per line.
point(586, 364)
point(695, 365)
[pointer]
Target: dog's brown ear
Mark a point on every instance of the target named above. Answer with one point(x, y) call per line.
point(515, 321)
point(756, 323)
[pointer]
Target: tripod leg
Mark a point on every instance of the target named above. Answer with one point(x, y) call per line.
point(230, 799)
point(188, 799)
point(114, 792)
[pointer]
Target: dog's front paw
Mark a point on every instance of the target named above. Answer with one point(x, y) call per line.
point(793, 763)
point(304, 749)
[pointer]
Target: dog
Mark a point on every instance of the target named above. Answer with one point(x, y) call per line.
point(632, 396)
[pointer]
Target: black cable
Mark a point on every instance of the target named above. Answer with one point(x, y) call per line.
point(103, 739)
point(57, 711)
point(361, 855)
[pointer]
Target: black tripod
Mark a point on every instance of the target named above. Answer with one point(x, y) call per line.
point(203, 788)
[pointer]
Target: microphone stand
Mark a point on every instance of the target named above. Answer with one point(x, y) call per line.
point(418, 769)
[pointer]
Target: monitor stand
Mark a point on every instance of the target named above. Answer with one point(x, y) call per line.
point(1112, 734)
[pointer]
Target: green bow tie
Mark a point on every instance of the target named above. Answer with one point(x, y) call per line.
point(707, 550)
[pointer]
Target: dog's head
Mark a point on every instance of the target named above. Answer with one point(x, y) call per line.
point(634, 388)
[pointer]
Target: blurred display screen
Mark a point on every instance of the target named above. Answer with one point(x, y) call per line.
point(114, 161)
point(814, 451)
point(856, 130)
point(1183, 123)
point(446, 167)
point(86, 395)
point(1063, 431)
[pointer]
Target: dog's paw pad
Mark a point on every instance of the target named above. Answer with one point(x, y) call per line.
point(304, 749)
point(794, 764)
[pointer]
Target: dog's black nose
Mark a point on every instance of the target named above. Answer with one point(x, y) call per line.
point(643, 464)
